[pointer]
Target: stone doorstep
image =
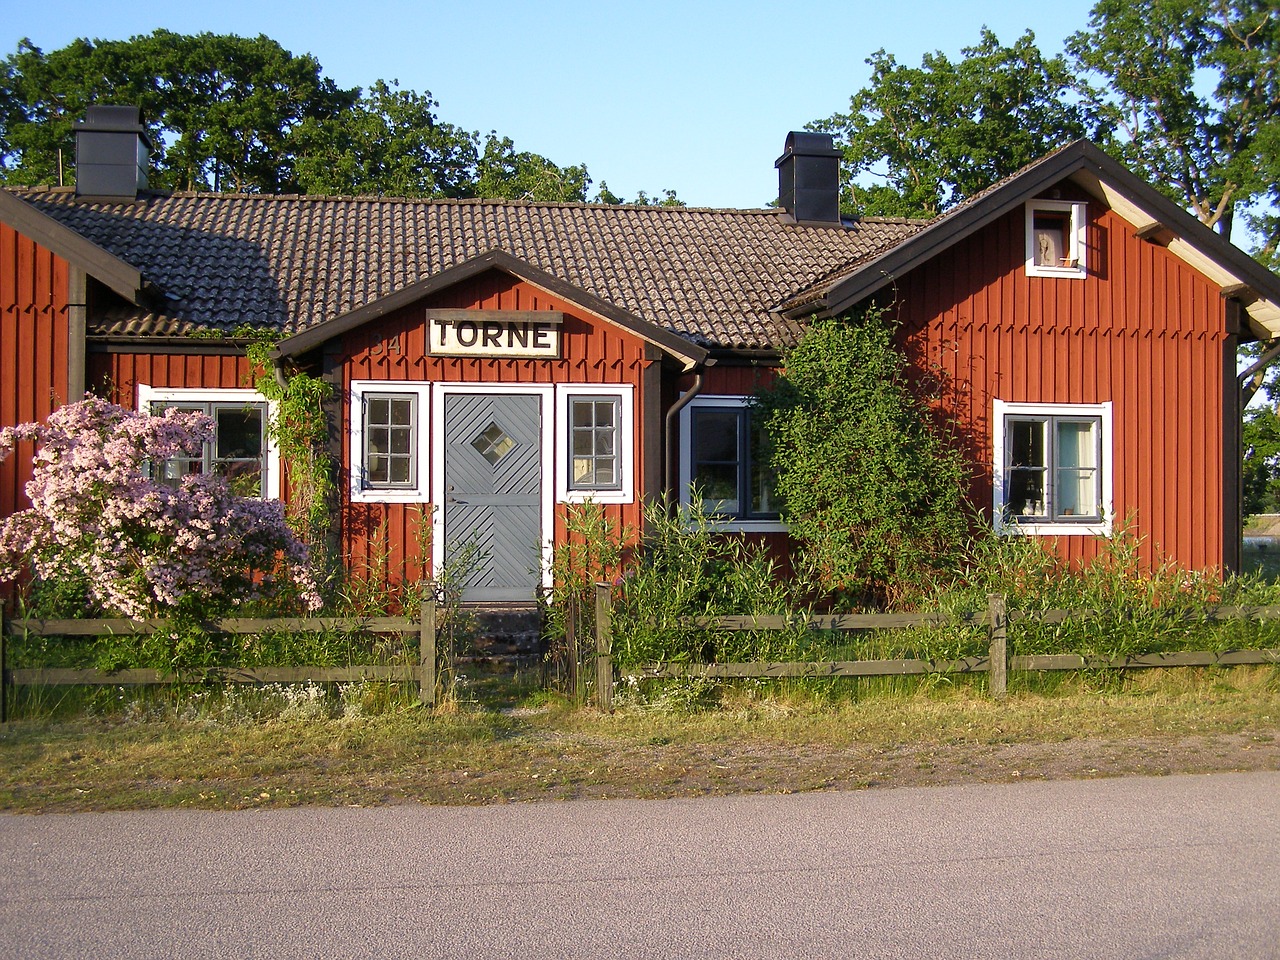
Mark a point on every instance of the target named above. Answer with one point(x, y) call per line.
point(507, 630)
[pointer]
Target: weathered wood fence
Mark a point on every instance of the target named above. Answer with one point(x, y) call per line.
point(996, 663)
point(425, 673)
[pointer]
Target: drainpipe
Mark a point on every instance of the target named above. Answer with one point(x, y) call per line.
point(673, 459)
point(277, 367)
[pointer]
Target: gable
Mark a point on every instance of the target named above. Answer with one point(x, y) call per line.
point(437, 289)
point(1081, 166)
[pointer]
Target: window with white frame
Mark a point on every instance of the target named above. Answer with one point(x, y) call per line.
point(595, 435)
point(1056, 239)
point(726, 463)
point(388, 421)
point(1053, 467)
point(593, 443)
point(239, 449)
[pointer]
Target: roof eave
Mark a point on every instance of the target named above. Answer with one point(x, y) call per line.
point(1150, 211)
point(122, 277)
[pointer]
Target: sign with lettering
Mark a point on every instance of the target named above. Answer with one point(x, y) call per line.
point(526, 334)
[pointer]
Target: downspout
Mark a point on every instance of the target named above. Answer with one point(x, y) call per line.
point(673, 472)
point(277, 368)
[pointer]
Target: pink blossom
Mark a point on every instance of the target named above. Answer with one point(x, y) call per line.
point(142, 546)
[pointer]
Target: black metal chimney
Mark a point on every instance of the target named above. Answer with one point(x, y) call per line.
point(809, 178)
point(111, 153)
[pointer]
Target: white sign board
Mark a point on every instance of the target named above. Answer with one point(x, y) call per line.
point(526, 334)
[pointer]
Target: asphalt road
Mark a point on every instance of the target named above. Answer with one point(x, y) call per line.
point(1161, 867)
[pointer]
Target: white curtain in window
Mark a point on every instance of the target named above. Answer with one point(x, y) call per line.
point(1077, 469)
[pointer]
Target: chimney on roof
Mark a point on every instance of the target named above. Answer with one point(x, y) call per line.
point(111, 153)
point(809, 178)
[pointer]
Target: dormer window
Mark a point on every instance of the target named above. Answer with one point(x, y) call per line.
point(1055, 239)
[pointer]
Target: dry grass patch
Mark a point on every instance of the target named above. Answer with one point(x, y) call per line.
point(510, 745)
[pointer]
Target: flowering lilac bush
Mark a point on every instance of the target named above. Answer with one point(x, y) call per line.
point(141, 547)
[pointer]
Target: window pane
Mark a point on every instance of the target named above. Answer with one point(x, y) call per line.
point(718, 484)
point(243, 476)
point(1052, 246)
point(1026, 443)
point(593, 443)
point(390, 452)
point(1024, 493)
point(604, 442)
point(1077, 493)
point(1076, 444)
point(763, 476)
point(238, 432)
point(402, 412)
point(715, 435)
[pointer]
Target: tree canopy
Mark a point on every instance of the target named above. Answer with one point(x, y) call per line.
point(921, 139)
point(243, 114)
point(1185, 92)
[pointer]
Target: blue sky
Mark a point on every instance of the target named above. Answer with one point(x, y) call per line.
point(692, 96)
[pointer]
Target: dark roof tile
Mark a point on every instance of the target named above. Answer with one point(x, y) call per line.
point(710, 276)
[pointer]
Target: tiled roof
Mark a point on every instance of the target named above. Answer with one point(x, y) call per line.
point(287, 262)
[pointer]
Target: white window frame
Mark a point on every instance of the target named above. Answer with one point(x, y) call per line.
point(686, 464)
point(624, 394)
point(1002, 411)
point(360, 491)
point(1077, 213)
point(149, 395)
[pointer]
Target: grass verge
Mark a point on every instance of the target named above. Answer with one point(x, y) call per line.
point(511, 743)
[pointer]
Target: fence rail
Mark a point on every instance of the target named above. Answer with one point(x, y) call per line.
point(996, 664)
point(425, 673)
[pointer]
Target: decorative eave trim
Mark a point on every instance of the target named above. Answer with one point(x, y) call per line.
point(103, 266)
point(687, 353)
point(1097, 173)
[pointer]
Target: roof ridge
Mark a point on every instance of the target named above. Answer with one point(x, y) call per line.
point(39, 189)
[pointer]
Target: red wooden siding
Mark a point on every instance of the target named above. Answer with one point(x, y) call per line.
point(391, 540)
point(34, 289)
point(1143, 330)
point(117, 375)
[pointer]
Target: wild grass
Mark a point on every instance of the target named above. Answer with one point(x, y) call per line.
point(509, 740)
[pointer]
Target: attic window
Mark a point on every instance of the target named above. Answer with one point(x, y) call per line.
point(1055, 239)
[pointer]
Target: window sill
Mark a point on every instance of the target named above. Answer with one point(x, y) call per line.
point(747, 526)
point(1062, 273)
point(388, 496)
point(1051, 529)
point(596, 496)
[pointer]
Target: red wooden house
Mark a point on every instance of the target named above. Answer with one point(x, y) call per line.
point(496, 360)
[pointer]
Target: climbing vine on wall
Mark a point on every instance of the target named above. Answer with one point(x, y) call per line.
point(300, 430)
point(871, 489)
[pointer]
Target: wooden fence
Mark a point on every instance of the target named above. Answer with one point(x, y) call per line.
point(424, 673)
point(996, 663)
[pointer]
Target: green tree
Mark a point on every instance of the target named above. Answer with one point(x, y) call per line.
point(504, 173)
point(390, 143)
point(1187, 93)
point(663, 198)
point(1260, 439)
point(870, 489)
point(221, 110)
point(918, 140)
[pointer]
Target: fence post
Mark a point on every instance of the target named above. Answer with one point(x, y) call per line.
point(427, 653)
point(4, 671)
point(997, 677)
point(571, 647)
point(604, 648)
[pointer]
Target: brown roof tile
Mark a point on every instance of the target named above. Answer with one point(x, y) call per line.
point(282, 262)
